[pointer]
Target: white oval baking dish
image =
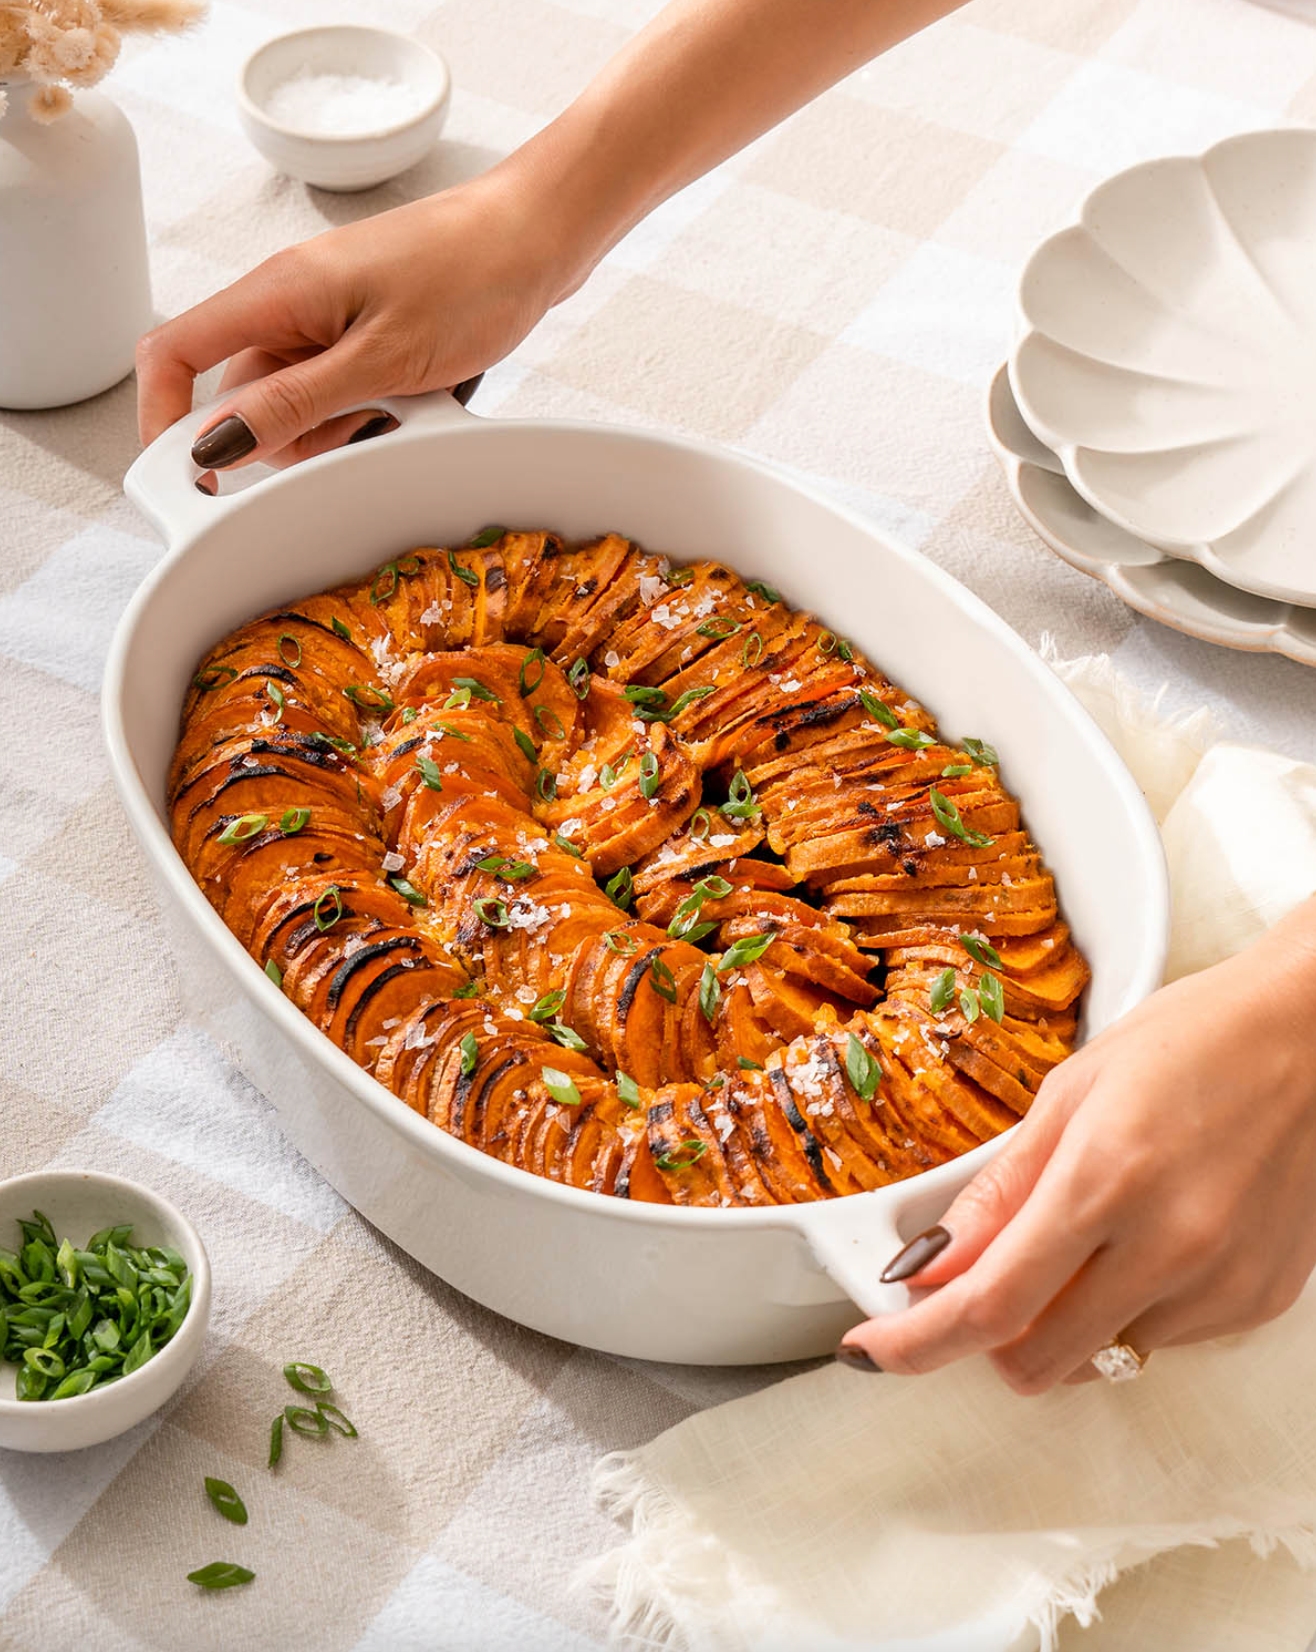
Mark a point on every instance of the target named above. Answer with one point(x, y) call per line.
point(697, 1286)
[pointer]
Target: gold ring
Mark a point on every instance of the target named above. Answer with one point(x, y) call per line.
point(1118, 1362)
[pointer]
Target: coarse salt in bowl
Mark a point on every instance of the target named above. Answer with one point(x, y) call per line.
point(343, 107)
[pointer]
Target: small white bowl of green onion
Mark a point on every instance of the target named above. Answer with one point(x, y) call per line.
point(104, 1299)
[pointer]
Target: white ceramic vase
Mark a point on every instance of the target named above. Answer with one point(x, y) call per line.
point(75, 286)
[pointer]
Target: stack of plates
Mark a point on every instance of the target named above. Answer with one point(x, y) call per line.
point(1156, 420)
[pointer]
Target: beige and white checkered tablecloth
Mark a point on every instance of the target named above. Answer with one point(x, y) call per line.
point(835, 300)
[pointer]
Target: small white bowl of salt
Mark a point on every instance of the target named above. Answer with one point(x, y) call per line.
point(343, 107)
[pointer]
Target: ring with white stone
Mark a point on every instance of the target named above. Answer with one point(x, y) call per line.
point(1117, 1362)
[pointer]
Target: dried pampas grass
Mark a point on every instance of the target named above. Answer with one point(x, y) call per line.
point(61, 44)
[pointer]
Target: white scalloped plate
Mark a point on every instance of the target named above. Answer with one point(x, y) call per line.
point(1167, 356)
point(1175, 593)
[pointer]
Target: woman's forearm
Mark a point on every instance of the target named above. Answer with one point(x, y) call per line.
point(704, 79)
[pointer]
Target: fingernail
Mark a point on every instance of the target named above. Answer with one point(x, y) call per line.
point(856, 1358)
point(466, 389)
point(374, 427)
point(229, 441)
point(916, 1254)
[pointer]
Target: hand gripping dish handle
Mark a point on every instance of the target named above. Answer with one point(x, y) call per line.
point(852, 1239)
point(162, 480)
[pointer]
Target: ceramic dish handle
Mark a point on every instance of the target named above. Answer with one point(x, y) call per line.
point(162, 481)
point(853, 1239)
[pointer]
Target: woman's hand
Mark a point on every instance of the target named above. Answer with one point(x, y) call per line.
point(432, 293)
point(1161, 1190)
point(415, 299)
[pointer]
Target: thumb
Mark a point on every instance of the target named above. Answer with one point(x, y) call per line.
point(262, 417)
point(995, 1195)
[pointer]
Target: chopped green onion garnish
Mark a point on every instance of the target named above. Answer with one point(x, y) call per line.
point(485, 538)
point(534, 658)
point(290, 650)
point(943, 992)
point(628, 1091)
point(578, 678)
point(981, 753)
point(992, 997)
point(648, 774)
point(408, 891)
point(244, 828)
point(214, 676)
point(912, 739)
point(748, 950)
point(470, 990)
point(550, 722)
point(878, 709)
point(307, 1378)
point(275, 696)
point(566, 845)
point(294, 820)
point(470, 1050)
point(679, 576)
point(620, 887)
point(953, 771)
point(369, 699)
point(526, 745)
point(863, 1072)
point(618, 941)
point(762, 590)
point(226, 1500)
point(688, 699)
point(567, 1038)
point(491, 912)
point(639, 695)
point(449, 728)
point(477, 689)
point(328, 908)
point(710, 992)
point(430, 773)
point(982, 952)
point(748, 1065)
point(826, 642)
point(970, 1005)
point(844, 650)
point(468, 576)
point(546, 785)
point(339, 629)
point(664, 982)
point(458, 700)
point(949, 816)
point(274, 972)
point(752, 651)
point(548, 1006)
point(692, 1148)
point(741, 803)
point(220, 1574)
point(720, 629)
point(560, 1087)
point(701, 823)
point(384, 584)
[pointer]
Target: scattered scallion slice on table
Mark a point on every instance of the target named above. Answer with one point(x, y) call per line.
point(220, 1574)
point(226, 1501)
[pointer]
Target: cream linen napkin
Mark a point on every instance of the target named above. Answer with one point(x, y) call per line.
point(839, 1511)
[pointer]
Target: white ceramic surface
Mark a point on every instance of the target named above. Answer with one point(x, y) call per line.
point(695, 1286)
point(347, 162)
point(1175, 593)
point(80, 1203)
point(75, 286)
point(1167, 355)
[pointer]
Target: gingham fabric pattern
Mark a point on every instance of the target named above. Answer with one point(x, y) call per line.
point(835, 300)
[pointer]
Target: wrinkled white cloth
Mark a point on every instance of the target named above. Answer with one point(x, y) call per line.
point(831, 1512)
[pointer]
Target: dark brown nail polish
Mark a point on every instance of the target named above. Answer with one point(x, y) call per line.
point(849, 1354)
point(230, 440)
point(916, 1254)
point(373, 427)
point(203, 487)
point(466, 389)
